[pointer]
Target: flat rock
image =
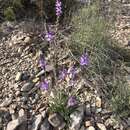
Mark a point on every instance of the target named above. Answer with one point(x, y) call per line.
point(27, 86)
point(56, 121)
point(77, 118)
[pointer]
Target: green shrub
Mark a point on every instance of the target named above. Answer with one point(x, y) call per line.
point(9, 14)
point(92, 33)
point(58, 104)
point(120, 101)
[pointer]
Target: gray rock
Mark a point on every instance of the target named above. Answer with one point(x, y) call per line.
point(77, 118)
point(56, 121)
point(20, 122)
point(27, 87)
point(45, 125)
point(37, 122)
point(88, 110)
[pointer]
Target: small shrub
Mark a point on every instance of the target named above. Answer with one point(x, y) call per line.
point(120, 101)
point(17, 3)
point(9, 14)
point(58, 104)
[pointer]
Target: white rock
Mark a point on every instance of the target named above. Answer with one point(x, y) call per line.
point(101, 126)
point(91, 128)
point(37, 122)
point(18, 76)
point(87, 123)
point(98, 102)
point(27, 39)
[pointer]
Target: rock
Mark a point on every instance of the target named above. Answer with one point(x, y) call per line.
point(40, 73)
point(27, 87)
point(87, 123)
point(17, 93)
point(6, 102)
point(98, 110)
point(22, 113)
point(18, 76)
point(12, 125)
point(47, 69)
point(88, 110)
point(77, 118)
point(101, 126)
point(56, 121)
point(27, 39)
point(90, 128)
point(25, 76)
point(98, 102)
point(43, 113)
point(37, 122)
point(45, 125)
point(35, 80)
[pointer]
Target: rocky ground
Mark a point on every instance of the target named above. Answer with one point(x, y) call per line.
point(24, 105)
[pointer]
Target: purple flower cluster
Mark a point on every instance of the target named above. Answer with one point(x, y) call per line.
point(44, 85)
point(42, 62)
point(58, 7)
point(71, 72)
point(72, 101)
point(84, 60)
point(49, 36)
point(63, 74)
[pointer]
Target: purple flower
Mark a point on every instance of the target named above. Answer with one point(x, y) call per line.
point(49, 36)
point(58, 7)
point(72, 72)
point(44, 85)
point(71, 101)
point(84, 60)
point(63, 74)
point(42, 63)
